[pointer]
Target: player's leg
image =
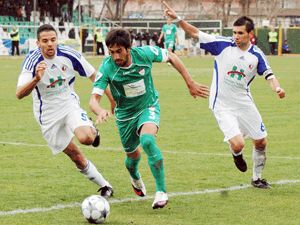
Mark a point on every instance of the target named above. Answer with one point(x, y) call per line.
point(229, 125)
point(132, 164)
point(130, 142)
point(259, 161)
point(148, 128)
point(88, 169)
point(83, 128)
point(252, 126)
point(79, 124)
point(236, 145)
point(155, 162)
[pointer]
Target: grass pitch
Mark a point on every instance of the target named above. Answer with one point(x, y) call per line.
point(202, 181)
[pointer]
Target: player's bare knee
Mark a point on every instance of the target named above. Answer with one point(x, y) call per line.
point(237, 146)
point(260, 144)
point(86, 138)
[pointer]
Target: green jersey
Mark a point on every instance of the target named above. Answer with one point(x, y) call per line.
point(169, 31)
point(132, 87)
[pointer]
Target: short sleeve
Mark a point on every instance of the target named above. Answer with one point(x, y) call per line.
point(214, 44)
point(101, 80)
point(155, 53)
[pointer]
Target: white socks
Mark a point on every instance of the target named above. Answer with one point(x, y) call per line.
point(91, 172)
point(259, 161)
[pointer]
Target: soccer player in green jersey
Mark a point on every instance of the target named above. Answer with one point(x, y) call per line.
point(169, 32)
point(128, 73)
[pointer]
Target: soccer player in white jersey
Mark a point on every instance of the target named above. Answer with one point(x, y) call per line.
point(49, 73)
point(237, 62)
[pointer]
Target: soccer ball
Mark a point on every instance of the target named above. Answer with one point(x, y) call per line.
point(95, 209)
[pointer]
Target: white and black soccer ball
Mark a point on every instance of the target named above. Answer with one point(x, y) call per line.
point(95, 209)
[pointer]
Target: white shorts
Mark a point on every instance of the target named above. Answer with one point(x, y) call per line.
point(244, 121)
point(61, 132)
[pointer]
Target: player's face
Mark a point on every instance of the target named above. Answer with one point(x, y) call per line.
point(241, 37)
point(48, 43)
point(120, 55)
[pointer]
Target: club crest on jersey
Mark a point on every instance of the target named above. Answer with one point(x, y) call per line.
point(64, 68)
point(142, 72)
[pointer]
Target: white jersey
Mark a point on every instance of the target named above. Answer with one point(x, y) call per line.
point(54, 95)
point(234, 70)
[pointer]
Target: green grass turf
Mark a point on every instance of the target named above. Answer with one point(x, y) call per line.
point(195, 156)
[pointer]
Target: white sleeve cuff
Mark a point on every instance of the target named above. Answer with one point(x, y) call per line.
point(97, 91)
point(165, 55)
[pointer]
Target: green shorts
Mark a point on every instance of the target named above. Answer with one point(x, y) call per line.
point(170, 45)
point(129, 129)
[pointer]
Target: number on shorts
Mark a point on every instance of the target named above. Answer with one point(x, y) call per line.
point(84, 117)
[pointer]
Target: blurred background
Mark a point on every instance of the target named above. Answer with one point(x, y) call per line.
point(78, 22)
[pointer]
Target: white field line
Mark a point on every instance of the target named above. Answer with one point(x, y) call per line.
point(126, 200)
point(164, 151)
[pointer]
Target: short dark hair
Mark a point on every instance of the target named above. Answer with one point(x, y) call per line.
point(244, 20)
point(119, 37)
point(45, 27)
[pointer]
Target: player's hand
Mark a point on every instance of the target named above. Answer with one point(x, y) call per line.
point(198, 90)
point(40, 70)
point(280, 92)
point(102, 116)
point(169, 11)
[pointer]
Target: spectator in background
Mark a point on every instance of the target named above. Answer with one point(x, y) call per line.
point(215, 32)
point(132, 36)
point(285, 47)
point(146, 38)
point(61, 27)
point(84, 36)
point(28, 9)
point(273, 40)
point(98, 38)
point(155, 38)
point(71, 34)
point(15, 38)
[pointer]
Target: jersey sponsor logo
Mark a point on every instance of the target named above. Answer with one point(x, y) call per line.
point(234, 72)
point(129, 72)
point(53, 82)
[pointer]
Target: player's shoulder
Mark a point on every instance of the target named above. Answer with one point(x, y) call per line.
point(108, 64)
point(67, 51)
point(255, 50)
point(32, 58)
point(144, 51)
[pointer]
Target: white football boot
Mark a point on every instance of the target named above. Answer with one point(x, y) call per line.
point(138, 187)
point(160, 200)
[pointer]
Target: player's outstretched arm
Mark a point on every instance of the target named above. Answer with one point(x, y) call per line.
point(196, 90)
point(188, 28)
point(274, 84)
point(111, 100)
point(27, 88)
point(102, 114)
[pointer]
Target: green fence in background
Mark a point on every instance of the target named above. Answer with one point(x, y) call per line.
point(291, 34)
